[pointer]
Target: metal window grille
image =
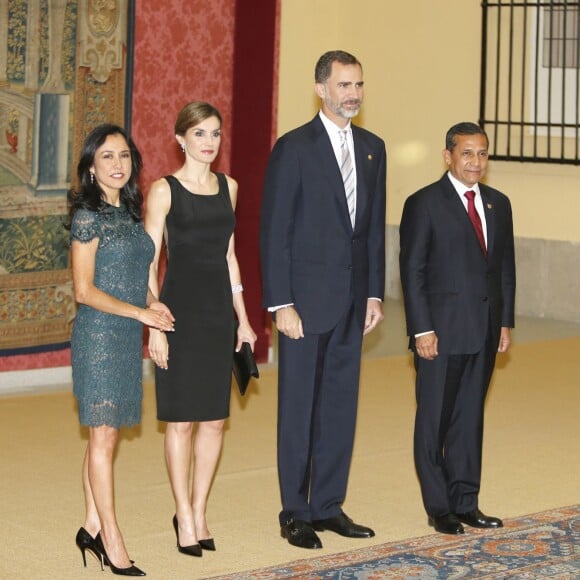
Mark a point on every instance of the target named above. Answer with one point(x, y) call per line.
point(530, 80)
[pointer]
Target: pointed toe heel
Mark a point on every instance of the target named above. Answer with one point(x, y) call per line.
point(193, 550)
point(207, 544)
point(130, 571)
point(84, 542)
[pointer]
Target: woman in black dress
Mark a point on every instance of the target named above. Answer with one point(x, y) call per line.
point(194, 210)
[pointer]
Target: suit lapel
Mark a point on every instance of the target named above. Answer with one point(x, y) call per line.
point(454, 203)
point(490, 218)
point(458, 209)
point(362, 158)
point(328, 163)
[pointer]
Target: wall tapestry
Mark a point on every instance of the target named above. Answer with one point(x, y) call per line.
point(63, 69)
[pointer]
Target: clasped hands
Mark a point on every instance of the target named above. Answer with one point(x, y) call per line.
point(158, 316)
point(162, 322)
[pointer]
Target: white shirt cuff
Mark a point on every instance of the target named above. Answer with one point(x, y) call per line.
point(274, 308)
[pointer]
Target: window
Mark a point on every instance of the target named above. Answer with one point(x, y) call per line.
point(530, 80)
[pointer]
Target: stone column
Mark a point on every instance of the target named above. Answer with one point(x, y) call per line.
point(32, 47)
point(3, 42)
point(56, 13)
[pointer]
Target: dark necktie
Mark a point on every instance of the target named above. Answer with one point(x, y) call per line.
point(475, 219)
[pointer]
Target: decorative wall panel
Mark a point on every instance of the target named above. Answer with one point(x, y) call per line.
point(62, 72)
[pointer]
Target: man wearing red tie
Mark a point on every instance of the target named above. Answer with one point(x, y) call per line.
point(458, 277)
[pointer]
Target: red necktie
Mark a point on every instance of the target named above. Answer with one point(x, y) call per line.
point(475, 220)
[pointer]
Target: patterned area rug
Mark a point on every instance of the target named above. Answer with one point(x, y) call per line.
point(544, 545)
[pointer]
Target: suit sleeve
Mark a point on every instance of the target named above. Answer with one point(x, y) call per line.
point(415, 235)
point(279, 202)
point(377, 232)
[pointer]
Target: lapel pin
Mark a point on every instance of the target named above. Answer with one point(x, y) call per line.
point(370, 157)
point(489, 206)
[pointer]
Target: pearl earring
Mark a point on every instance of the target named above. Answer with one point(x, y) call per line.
point(92, 177)
point(183, 147)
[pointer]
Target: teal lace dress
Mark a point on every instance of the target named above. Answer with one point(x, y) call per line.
point(106, 348)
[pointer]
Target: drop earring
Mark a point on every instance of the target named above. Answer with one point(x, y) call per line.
point(182, 147)
point(92, 177)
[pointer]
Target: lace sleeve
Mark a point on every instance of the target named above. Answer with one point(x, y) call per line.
point(84, 227)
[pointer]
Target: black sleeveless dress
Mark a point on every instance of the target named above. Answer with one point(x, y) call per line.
point(197, 289)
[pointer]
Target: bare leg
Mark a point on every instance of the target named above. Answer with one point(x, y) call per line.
point(102, 443)
point(92, 521)
point(207, 449)
point(178, 448)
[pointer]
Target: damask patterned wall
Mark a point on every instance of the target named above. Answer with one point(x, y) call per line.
point(194, 50)
point(62, 71)
point(183, 52)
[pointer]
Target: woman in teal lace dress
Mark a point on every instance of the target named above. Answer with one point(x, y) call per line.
point(111, 254)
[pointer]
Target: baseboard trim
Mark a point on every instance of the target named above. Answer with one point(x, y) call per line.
point(50, 379)
point(35, 380)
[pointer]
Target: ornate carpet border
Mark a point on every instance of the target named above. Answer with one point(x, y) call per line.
point(542, 545)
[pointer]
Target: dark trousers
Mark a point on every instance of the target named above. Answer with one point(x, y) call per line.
point(451, 391)
point(318, 378)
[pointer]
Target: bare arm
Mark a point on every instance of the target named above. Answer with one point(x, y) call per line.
point(83, 269)
point(245, 331)
point(158, 205)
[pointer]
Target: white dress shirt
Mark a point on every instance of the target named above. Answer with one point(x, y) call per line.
point(460, 188)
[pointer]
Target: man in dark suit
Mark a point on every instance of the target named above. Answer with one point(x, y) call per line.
point(323, 265)
point(458, 278)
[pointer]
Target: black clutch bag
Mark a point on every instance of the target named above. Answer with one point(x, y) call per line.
point(244, 367)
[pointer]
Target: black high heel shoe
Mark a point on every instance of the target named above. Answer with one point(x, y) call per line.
point(193, 550)
point(85, 542)
point(130, 571)
point(207, 544)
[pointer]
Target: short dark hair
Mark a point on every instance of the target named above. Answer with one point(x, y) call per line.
point(90, 195)
point(463, 128)
point(323, 68)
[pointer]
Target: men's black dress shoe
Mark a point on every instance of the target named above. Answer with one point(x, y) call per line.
point(446, 524)
point(300, 533)
point(477, 519)
point(344, 526)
